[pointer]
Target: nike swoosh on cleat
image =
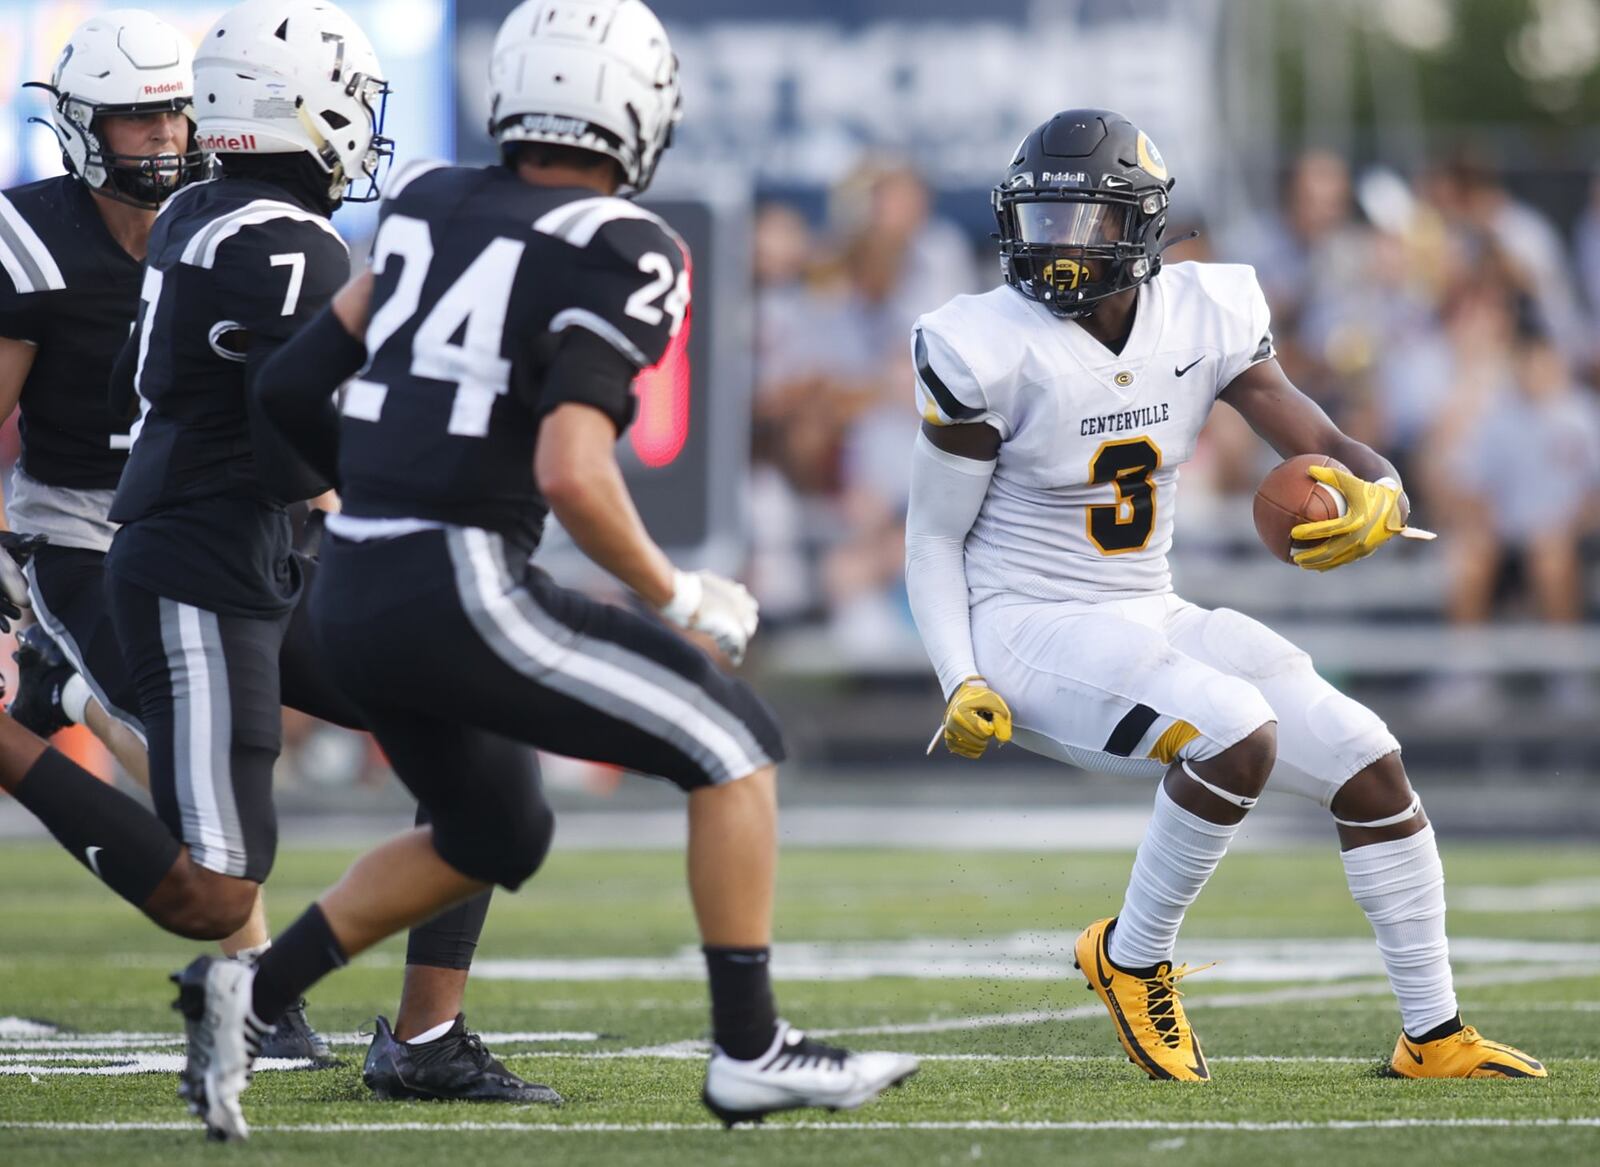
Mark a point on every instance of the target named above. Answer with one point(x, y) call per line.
point(1145, 1062)
point(1508, 1071)
point(1415, 1056)
point(1100, 967)
point(1177, 372)
point(89, 857)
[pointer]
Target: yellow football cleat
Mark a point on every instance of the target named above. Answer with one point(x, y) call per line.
point(1148, 1014)
point(1463, 1054)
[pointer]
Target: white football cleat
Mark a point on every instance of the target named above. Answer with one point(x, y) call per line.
point(797, 1072)
point(223, 1040)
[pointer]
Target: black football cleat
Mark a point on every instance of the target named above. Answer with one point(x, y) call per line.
point(42, 672)
point(294, 1038)
point(452, 1068)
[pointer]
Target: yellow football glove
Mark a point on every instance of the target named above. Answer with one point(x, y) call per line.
point(975, 714)
point(1371, 518)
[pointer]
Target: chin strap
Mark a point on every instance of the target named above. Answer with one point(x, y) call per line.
point(1391, 820)
point(1243, 802)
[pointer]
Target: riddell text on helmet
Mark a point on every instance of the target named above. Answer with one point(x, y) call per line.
point(164, 87)
point(226, 142)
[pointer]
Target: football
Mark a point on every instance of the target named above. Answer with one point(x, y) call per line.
point(1289, 496)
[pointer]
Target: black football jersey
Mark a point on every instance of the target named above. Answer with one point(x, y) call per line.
point(235, 267)
point(479, 275)
point(68, 287)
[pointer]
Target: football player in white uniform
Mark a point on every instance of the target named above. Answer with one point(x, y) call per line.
point(1057, 410)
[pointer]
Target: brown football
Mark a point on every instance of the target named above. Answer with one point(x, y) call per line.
point(1290, 496)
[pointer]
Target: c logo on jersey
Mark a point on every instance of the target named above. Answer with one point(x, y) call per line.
point(1150, 158)
point(1065, 275)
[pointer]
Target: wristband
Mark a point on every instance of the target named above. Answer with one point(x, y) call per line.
point(688, 590)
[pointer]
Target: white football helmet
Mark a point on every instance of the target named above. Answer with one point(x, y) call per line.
point(597, 75)
point(293, 76)
point(122, 62)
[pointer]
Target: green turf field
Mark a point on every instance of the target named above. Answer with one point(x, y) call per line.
point(960, 957)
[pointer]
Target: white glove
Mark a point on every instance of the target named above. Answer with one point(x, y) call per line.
point(721, 608)
point(15, 551)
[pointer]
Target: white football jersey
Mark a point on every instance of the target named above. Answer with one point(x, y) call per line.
point(1081, 503)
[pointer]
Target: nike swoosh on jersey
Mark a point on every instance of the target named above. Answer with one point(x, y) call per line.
point(89, 856)
point(1177, 372)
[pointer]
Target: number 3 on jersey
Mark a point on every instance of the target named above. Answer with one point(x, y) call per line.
point(478, 300)
point(1125, 525)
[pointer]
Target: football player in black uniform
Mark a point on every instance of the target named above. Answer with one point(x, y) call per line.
point(510, 309)
point(72, 249)
point(200, 577)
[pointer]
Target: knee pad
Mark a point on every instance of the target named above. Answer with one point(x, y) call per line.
point(506, 848)
point(1233, 709)
point(1351, 735)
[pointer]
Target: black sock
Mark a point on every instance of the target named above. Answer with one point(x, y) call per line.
point(126, 847)
point(1443, 1030)
point(743, 1014)
point(450, 939)
point(298, 959)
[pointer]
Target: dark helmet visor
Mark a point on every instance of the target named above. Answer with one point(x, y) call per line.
point(1063, 223)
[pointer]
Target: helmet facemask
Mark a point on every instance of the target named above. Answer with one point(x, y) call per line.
point(140, 180)
point(372, 95)
point(1069, 248)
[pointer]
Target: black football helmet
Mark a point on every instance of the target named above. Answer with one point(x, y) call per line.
point(1082, 210)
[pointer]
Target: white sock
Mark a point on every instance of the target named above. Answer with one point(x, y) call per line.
point(75, 696)
point(1179, 852)
point(1400, 886)
point(254, 953)
point(433, 1034)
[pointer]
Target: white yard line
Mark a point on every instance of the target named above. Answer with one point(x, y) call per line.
point(1554, 895)
point(119, 1054)
point(1035, 955)
point(54, 1040)
point(842, 1127)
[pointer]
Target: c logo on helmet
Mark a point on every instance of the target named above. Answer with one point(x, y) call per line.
point(1150, 158)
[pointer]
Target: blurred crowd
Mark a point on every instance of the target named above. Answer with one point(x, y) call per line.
point(1441, 319)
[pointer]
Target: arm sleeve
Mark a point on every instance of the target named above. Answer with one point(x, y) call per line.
point(1250, 330)
point(947, 491)
point(585, 369)
point(294, 385)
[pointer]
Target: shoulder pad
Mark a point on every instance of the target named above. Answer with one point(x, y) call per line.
point(1244, 330)
point(23, 255)
point(585, 222)
point(939, 367)
point(1230, 286)
point(962, 373)
point(263, 225)
point(407, 174)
